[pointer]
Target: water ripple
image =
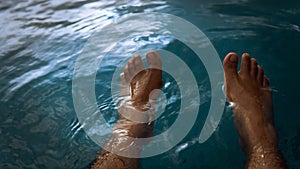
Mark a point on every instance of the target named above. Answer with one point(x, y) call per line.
point(40, 40)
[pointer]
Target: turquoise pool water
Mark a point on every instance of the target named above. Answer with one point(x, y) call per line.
point(40, 41)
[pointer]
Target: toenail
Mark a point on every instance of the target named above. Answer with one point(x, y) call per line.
point(233, 59)
point(151, 54)
point(246, 54)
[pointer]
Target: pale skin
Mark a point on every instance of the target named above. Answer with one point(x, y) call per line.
point(247, 89)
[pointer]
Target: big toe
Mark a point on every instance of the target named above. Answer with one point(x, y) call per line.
point(230, 64)
point(154, 60)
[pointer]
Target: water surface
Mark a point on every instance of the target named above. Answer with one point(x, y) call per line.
point(40, 41)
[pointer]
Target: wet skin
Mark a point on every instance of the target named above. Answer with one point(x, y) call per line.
point(137, 89)
point(247, 89)
point(251, 97)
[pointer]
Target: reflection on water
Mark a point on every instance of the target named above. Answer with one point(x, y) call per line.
point(40, 41)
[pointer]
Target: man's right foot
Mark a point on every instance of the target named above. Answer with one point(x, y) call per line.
point(251, 97)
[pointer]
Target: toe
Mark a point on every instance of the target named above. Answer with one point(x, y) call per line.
point(124, 88)
point(126, 74)
point(246, 63)
point(123, 79)
point(230, 66)
point(131, 67)
point(154, 60)
point(266, 82)
point(254, 70)
point(138, 64)
point(260, 76)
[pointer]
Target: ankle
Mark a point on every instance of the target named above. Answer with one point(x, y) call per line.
point(265, 156)
point(261, 148)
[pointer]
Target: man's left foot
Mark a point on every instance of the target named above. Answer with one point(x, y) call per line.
point(139, 83)
point(143, 81)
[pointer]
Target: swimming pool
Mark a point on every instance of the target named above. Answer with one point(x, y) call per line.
point(40, 41)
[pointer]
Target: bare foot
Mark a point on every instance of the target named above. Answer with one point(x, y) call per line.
point(251, 97)
point(143, 81)
point(138, 84)
point(249, 91)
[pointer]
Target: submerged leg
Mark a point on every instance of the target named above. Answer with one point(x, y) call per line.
point(135, 117)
